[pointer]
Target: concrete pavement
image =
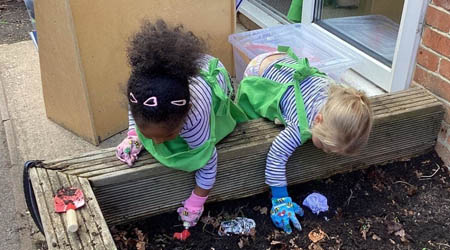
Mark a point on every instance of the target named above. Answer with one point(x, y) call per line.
point(9, 229)
point(27, 134)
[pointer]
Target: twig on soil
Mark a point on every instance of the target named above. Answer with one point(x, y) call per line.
point(404, 182)
point(221, 212)
point(442, 244)
point(426, 177)
point(240, 211)
point(206, 231)
point(350, 197)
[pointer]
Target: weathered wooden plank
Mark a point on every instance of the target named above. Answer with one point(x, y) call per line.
point(86, 225)
point(105, 165)
point(406, 102)
point(64, 241)
point(388, 96)
point(44, 211)
point(398, 97)
point(80, 157)
point(75, 241)
point(402, 115)
point(96, 214)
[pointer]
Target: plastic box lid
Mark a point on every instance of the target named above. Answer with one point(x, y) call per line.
point(321, 52)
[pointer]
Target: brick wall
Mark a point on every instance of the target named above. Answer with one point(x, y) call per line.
point(433, 65)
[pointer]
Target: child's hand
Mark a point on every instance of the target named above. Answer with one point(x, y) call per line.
point(129, 149)
point(188, 216)
point(283, 211)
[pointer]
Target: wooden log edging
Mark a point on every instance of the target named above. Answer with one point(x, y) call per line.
point(93, 232)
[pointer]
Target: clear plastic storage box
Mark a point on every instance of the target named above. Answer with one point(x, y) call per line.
point(321, 52)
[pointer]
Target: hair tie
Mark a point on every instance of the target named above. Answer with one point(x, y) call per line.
point(151, 102)
point(181, 102)
point(132, 98)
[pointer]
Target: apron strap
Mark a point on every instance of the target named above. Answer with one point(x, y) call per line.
point(302, 71)
point(210, 77)
point(302, 67)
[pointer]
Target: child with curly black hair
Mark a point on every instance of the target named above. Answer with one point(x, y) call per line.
point(179, 107)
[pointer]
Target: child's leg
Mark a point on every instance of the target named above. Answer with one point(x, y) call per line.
point(258, 64)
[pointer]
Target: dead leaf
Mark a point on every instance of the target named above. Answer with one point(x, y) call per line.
point(276, 234)
point(314, 246)
point(139, 234)
point(256, 208)
point(364, 230)
point(209, 220)
point(393, 227)
point(376, 237)
point(241, 243)
point(252, 232)
point(263, 210)
point(339, 213)
point(317, 235)
point(292, 242)
point(140, 245)
point(418, 174)
point(425, 162)
point(378, 186)
point(275, 242)
point(402, 235)
point(412, 190)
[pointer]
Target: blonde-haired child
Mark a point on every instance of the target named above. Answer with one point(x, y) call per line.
point(283, 88)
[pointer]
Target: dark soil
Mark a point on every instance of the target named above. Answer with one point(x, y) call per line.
point(15, 23)
point(382, 207)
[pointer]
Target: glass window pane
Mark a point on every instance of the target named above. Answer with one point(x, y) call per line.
point(370, 25)
point(281, 6)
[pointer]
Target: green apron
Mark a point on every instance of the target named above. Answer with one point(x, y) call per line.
point(224, 116)
point(260, 97)
point(295, 11)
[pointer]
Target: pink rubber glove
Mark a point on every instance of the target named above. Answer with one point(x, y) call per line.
point(129, 149)
point(192, 210)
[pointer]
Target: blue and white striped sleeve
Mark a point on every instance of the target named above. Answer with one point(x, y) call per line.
point(281, 149)
point(197, 125)
point(196, 136)
point(197, 130)
point(131, 122)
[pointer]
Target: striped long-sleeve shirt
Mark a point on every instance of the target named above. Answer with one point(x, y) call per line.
point(314, 91)
point(196, 129)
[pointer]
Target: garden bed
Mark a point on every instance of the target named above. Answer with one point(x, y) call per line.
point(395, 206)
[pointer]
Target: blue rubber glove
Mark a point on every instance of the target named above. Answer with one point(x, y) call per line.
point(283, 210)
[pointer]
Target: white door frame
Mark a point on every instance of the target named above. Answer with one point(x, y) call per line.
point(399, 76)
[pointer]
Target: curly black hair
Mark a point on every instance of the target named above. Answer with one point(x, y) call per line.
point(162, 60)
